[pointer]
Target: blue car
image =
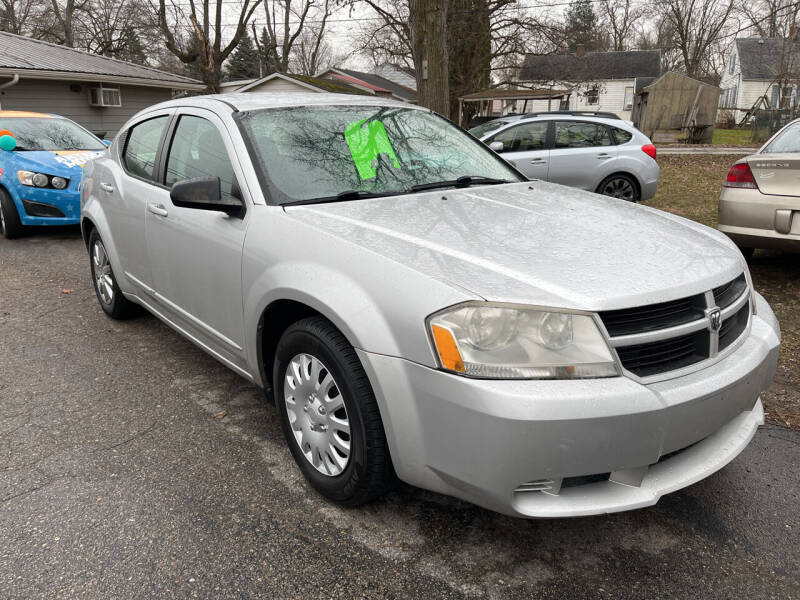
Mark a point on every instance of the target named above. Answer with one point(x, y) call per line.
point(41, 170)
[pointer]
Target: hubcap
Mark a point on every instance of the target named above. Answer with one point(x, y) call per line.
point(317, 414)
point(619, 188)
point(103, 278)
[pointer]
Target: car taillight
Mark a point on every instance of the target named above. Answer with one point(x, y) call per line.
point(740, 176)
point(650, 150)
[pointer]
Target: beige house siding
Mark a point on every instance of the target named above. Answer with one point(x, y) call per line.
point(611, 98)
point(57, 97)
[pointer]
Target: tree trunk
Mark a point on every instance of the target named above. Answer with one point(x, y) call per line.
point(470, 49)
point(429, 37)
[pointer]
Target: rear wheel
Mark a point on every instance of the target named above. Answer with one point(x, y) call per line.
point(108, 293)
point(10, 225)
point(747, 252)
point(329, 414)
point(620, 186)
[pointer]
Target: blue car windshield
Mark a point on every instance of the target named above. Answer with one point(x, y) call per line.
point(321, 152)
point(49, 133)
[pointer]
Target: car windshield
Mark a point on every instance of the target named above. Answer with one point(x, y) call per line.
point(486, 128)
point(49, 133)
point(788, 141)
point(319, 153)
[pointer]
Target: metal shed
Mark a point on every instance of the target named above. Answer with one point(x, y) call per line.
point(676, 105)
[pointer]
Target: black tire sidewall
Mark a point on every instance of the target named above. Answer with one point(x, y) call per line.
point(114, 309)
point(637, 194)
point(13, 225)
point(340, 488)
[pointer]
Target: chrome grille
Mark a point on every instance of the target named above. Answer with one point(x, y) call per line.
point(658, 338)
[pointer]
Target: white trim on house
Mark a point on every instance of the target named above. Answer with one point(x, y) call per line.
point(97, 78)
point(283, 77)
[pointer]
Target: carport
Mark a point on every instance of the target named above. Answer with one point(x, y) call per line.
point(486, 100)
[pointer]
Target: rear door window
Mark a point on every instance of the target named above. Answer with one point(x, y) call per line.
point(581, 134)
point(141, 148)
point(523, 138)
point(622, 136)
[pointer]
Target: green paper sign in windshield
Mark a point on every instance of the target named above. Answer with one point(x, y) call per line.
point(367, 140)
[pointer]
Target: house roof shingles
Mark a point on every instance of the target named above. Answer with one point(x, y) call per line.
point(382, 83)
point(592, 66)
point(767, 58)
point(20, 54)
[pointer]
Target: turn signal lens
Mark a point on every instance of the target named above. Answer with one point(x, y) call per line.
point(448, 349)
point(650, 150)
point(740, 176)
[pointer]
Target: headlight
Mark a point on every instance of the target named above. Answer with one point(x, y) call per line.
point(497, 341)
point(41, 180)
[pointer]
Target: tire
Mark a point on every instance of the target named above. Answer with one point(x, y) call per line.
point(110, 297)
point(747, 253)
point(620, 186)
point(10, 225)
point(366, 473)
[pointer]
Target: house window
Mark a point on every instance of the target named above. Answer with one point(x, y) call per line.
point(104, 96)
point(628, 105)
point(592, 96)
point(776, 96)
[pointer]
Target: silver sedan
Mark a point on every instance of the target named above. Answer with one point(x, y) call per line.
point(417, 310)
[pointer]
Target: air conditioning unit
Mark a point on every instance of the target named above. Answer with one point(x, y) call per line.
point(104, 96)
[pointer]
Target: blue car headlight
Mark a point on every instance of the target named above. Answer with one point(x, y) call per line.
point(41, 180)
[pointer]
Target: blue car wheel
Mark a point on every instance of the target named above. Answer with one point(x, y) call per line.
point(10, 226)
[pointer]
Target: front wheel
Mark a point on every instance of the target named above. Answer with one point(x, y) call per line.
point(620, 186)
point(329, 414)
point(108, 293)
point(10, 225)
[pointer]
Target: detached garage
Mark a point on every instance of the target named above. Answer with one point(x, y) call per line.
point(98, 92)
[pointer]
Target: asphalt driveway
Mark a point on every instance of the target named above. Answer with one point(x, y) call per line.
point(132, 465)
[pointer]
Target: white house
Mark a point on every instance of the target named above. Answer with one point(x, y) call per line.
point(289, 82)
point(600, 81)
point(760, 68)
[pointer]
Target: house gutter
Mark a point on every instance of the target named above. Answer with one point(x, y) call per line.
point(8, 84)
point(86, 78)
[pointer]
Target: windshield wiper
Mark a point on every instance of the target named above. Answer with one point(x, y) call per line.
point(461, 182)
point(347, 195)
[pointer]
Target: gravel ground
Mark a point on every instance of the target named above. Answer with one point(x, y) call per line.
point(132, 465)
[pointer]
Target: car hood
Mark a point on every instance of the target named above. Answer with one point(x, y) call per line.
point(537, 243)
point(64, 163)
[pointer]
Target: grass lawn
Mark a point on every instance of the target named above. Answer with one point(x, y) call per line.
point(689, 186)
point(732, 137)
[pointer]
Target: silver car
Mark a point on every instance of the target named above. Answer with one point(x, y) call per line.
point(417, 310)
point(759, 206)
point(599, 154)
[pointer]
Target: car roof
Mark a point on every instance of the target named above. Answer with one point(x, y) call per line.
point(245, 101)
point(27, 113)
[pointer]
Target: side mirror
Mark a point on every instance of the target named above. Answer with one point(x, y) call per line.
point(496, 146)
point(203, 193)
point(107, 143)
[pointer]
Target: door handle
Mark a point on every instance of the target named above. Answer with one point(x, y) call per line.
point(157, 209)
point(603, 156)
point(106, 187)
point(538, 161)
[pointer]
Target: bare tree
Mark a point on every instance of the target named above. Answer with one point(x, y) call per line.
point(203, 40)
point(697, 27)
point(771, 18)
point(16, 15)
point(620, 18)
point(286, 23)
point(312, 54)
point(428, 28)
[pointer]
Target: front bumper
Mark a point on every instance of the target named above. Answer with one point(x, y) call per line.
point(67, 202)
point(755, 220)
point(481, 440)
